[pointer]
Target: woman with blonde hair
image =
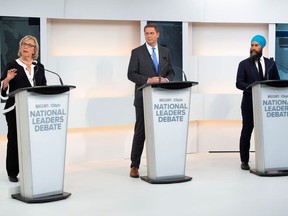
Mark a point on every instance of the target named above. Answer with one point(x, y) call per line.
point(19, 73)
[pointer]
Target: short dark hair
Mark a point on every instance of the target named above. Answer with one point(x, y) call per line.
point(152, 25)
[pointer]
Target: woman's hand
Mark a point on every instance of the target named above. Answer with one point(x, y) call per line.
point(11, 74)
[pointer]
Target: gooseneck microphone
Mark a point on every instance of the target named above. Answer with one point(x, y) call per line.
point(159, 73)
point(185, 78)
point(37, 67)
point(267, 73)
point(274, 62)
point(178, 69)
point(271, 58)
point(35, 72)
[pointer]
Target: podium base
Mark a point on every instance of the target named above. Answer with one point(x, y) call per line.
point(51, 198)
point(166, 181)
point(270, 173)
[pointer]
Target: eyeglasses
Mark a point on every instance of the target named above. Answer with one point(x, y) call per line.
point(28, 45)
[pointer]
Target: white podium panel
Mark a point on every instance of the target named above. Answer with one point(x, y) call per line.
point(45, 152)
point(270, 109)
point(166, 112)
point(42, 115)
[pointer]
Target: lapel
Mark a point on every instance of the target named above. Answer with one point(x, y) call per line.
point(148, 57)
point(254, 70)
point(22, 75)
point(161, 60)
point(266, 68)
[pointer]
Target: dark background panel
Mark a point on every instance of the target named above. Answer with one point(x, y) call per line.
point(12, 30)
point(171, 37)
point(281, 57)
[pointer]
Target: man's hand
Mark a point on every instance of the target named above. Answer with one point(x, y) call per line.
point(157, 79)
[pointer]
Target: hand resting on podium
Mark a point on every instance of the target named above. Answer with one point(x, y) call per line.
point(157, 79)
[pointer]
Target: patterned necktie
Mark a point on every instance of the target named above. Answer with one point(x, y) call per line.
point(154, 58)
point(260, 70)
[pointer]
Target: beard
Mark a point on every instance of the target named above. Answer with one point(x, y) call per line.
point(254, 55)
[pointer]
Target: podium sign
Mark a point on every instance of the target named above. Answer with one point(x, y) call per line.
point(166, 111)
point(270, 110)
point(42, 130)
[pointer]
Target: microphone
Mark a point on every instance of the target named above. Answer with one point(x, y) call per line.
point(165, 58)
point(271, 58)
point(185, 78)
point(267, 73)
point(274, 62)
point(37, 65)
point(178, 69)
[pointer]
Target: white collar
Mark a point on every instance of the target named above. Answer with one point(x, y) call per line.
point(150, 47)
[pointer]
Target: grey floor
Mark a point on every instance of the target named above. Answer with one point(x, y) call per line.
point(219, 187)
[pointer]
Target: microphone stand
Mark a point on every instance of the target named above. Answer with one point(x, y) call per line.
point(37, 65)
point(56, 75)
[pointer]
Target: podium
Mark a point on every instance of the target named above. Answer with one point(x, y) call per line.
point(270, 110)
point(42, 115)
point(166, 116)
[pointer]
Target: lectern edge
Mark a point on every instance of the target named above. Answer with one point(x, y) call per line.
point(170, 85)
point(272, 83)
point(51, 89)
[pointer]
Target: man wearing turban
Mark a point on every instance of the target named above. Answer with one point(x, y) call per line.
point(255, 68)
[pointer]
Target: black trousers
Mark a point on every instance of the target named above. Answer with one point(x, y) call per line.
point(12, 163)
point(247, 128)
point(138, 138)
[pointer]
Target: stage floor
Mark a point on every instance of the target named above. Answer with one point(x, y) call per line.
point(104, 188)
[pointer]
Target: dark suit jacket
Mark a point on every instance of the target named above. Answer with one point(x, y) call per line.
point(141, 68)
point(248, 73)
point(20, 81)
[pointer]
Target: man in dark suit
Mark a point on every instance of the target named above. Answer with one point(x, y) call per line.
point(254, 68)
point(148, 63)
